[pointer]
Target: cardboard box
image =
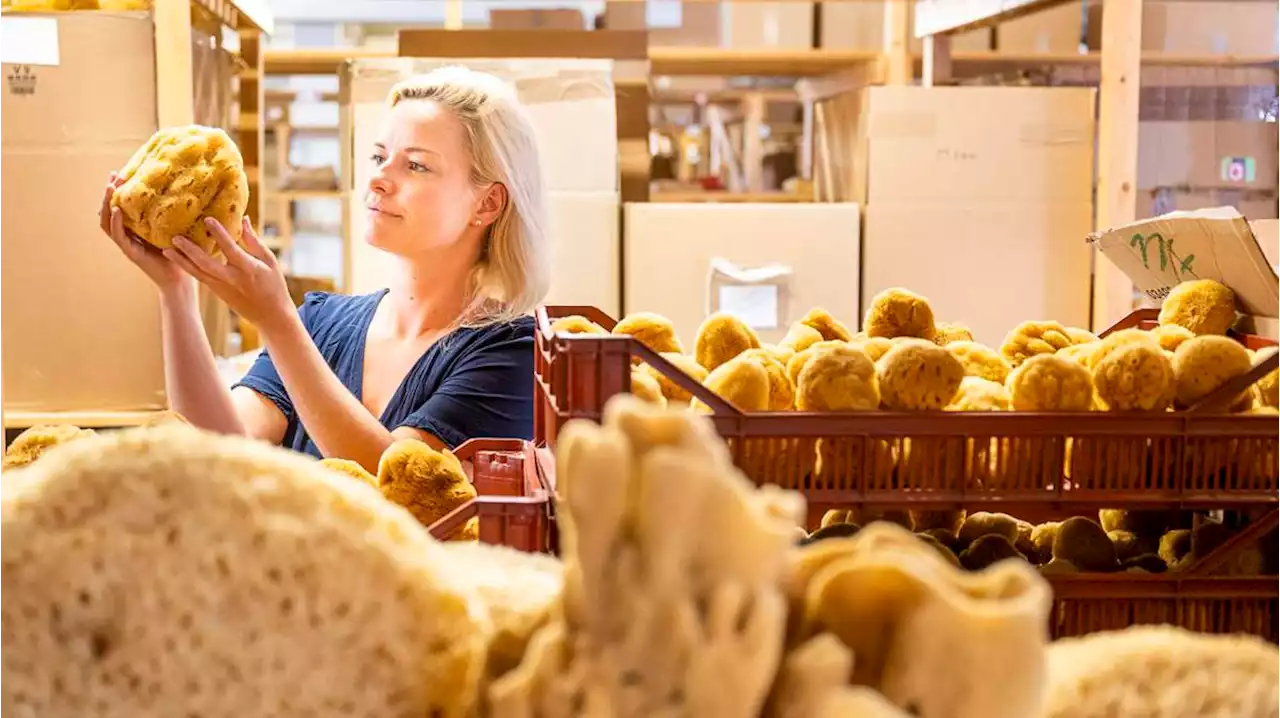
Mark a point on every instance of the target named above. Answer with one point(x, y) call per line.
point(571, 103)
point(699, 24)
point(1215, 243)
point(1202, 27)
point(578, 147)
point(1059, 29)
point(537, 19)
point(1254, 205)
point(980, 199)
point(1205, 127)
point(768, 263)
point(81, 325)
point(860, 26)
point(768, 25)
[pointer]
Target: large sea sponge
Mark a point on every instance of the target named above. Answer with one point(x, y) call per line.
point(165, 571)
point(179, 177)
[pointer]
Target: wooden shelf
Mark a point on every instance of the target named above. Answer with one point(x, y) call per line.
point(677, 61)
point(297, 194)
point(727, 197)
point(82, 419)
point(944, 17)
point(316, 62)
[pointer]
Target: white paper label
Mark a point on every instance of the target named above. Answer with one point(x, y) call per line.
point(29, 40)
point(755, 304)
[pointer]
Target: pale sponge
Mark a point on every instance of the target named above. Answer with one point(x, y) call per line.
point(168, 572)
point(179, 177)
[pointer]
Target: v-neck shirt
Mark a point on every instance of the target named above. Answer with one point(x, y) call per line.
point(471, 383)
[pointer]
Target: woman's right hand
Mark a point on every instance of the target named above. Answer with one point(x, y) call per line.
point(166, 275)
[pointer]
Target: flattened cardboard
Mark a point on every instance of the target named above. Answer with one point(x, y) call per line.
point(81, 325)
point(1215, 243)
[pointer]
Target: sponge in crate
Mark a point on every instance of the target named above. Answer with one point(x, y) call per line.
point(721, 337)
point(428, 483)
point(179, 177)
point(898, 312)
point(1201, 306)
point(36, 441)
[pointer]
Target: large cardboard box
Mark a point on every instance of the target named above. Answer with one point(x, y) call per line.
point(536, 19)
point(699, 23)
point(81, 325)
point(1206, 127)
point(859, 25)
point(980, 199)
point(767, 25)
point(1202, 27)
point(1059, 29)
point(767, 263)
point(572, 105)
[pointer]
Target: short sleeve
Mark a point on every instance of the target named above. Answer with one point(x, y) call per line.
point(262, 376)
point(488, 394)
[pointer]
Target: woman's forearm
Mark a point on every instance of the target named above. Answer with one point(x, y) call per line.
point(196, 389)
point(334, 418)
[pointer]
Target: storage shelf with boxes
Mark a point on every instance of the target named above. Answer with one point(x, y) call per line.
point(81, 328)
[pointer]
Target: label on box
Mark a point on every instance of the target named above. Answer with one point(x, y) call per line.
point(1239, 169)
point(757, 305)
point(1215, 243)
point(757, 295)
point(29, 40)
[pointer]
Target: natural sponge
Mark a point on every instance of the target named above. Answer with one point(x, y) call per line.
point(644, 386)
point(427, 482)
point(1083, 542)
point(948, 332)
point(1203, 364)
point(1267, 388)
point(1202, 306)
point(721, 337)
point(1047, 382)
point(979, 360)
point(899, 313)
point(918, 376)
point(742, 382)
point(124, 555)
point(828, 326)
point(980, 395)
point(32, 443)
point(1134, 376)
point(350, 468)
point(1029, 339)
point(782, 393)
point(652, 330)
point(838, 379)
point(179, 177)
point(577, 324)
point(671, 390)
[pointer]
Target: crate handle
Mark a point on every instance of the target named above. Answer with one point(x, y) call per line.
point(719, 406)
point(454, 520)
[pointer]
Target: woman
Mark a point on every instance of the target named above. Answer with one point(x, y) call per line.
point(444, 354)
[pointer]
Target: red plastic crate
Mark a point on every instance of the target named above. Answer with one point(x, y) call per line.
point(1193, 458)
point(513, 501)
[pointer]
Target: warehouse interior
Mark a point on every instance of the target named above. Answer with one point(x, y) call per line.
point(875, 333)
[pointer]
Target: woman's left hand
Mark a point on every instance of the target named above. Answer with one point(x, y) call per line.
point(250, 281)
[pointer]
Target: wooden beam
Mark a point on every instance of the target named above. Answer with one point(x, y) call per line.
point(601, 44)
point(752, 142)
point(252, 138)
point(1117, 151)
point(175, 83)
point(937, 17)
point(937, 60)
point(897, 43)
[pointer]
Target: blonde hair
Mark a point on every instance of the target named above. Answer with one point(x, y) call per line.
point(513, 273)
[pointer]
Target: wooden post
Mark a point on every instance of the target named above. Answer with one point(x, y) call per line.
point(937, 60)
point(253, 109)
point(897, 39)
point(175, 84)
point(453, 14)
point(1117, 151)
point(752, 143)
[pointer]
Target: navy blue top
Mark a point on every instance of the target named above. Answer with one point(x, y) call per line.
point(470, 383)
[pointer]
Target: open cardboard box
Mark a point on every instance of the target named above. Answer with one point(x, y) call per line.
point(1214, 243)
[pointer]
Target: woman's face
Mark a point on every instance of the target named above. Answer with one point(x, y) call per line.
point(420, 197)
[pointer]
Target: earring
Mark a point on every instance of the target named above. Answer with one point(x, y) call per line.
point(476, 223)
